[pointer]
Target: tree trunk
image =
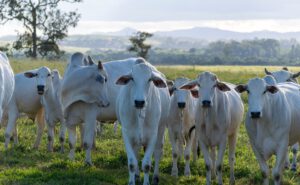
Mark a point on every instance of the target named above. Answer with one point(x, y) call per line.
point(34, 34)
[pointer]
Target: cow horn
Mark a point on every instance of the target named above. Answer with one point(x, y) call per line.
point(267, 72)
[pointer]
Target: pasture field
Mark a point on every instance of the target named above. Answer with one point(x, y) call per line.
point(21, 164)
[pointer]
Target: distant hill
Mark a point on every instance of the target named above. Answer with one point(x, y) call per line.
point(197, 37)
point(213, 34)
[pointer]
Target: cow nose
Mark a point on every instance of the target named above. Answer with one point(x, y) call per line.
point(181, 105)
point(206, 103)
point(40, 89)
point(139, 103)
point(255, 114)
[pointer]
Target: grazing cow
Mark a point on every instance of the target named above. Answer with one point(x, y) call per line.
point(7, 83)
point(48, 85)
point(282, 76)
point(26, 100)
point(218, 116)
point(181, 120)
point(83, 94)
point(141, 109)
point(272, 122)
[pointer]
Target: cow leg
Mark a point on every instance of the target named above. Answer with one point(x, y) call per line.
point(72, 140)
point(11, 124)
point(174, 152)
point(158, 150)
point(221, 151)
point(50, 137)
point(89, 132)
point(132, 160)
point(287, 160)
point(15, 134)
point(40, 128)
point(232, 143)
point(116, 126)
point(194, 147)
point(62, 135)
point(81, 126)
point(146, 162)
point(213, 161)
point(280, 159)
point(251, 128)
point(295, 149)
point(187, 155)
point(208, 164)
point(137, 170)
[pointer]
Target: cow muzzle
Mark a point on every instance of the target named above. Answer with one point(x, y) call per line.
point(181, 105)
point(40, 89)
point(255, 115)
point(139, 104)
point(206, 103)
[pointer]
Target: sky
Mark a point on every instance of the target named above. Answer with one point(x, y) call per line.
point(163, 15)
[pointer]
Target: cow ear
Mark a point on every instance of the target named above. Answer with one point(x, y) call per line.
point(30, 74)
point(272, 89)
point(241, 88)
point(158, 82)
point(190, 85)
point(123, 80)
point(100, 65)
point(195, 93)
point(222, 86)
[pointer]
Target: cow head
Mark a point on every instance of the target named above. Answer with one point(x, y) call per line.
point(208, 83)
point(140, 79)
point(43, 79)
point(181, 95)
point(257, 89)
point(283, 75)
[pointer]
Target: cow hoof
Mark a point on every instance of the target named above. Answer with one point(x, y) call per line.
point(88, 163)
point(137, 179)
point(155, 180)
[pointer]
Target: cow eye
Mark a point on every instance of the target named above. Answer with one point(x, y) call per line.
point(248, 91)
point(49, 74)
point(265, 92)
point(105, 80)
point(100, 79)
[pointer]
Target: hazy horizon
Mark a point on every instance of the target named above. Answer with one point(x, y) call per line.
point(156, 15)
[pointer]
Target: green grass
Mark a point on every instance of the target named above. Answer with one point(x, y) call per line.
point(22, 164)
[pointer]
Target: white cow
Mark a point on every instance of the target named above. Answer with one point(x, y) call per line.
point(218, 116)
point(272, 122)
point(83, 94)
point(26, 100)
point(7, 83)
point(282, 76)
point(114, 69)
point(48, 85)
point(142, 110)
point(181, 120)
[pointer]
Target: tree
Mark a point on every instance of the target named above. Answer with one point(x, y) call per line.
point(138, 44)
point(39, 17)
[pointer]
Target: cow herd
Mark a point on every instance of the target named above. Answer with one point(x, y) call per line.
point(203, 113)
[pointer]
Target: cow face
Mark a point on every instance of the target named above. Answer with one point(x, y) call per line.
point(257, 88)
point(181, 96)
point(101, 78)
point(140, 79)
point(283, 75)
point(208, 84)
point(43, 79)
